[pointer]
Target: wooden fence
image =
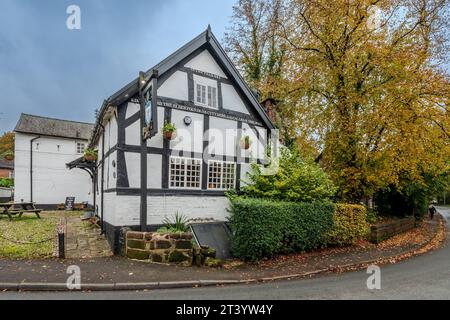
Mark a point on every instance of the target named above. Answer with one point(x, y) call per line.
point(383, 231)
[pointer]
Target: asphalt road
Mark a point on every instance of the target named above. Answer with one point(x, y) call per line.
point(423, 277)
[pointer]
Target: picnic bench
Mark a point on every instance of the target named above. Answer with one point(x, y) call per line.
point(11, 209)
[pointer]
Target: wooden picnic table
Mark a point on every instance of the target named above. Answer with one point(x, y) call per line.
point(13, 208)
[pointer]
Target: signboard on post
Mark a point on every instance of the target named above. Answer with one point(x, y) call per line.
point(69, 204)
point(147, 100)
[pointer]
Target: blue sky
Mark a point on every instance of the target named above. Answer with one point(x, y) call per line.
point(48, 70)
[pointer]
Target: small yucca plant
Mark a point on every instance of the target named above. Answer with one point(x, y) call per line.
point(177, 222)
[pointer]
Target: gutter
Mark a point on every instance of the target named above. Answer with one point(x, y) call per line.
point(31, 166)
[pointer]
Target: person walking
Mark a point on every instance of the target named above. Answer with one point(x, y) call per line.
point(432, 211)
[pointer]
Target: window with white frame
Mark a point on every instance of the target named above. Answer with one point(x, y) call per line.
point(80, 147)
point(185, 173)
point(221, 175)
point(206, 95)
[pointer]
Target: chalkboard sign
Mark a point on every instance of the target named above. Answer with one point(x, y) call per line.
point(69, 204)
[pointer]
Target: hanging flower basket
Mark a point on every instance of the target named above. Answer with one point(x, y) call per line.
point(245, 143)
point(90, 155)
point(169, 131)
point(9, 156)
point(170, 135)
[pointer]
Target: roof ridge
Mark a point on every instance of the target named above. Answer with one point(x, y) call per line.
point(57, 119)
point(168, 58)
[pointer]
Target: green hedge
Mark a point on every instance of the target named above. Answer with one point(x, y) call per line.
point(350, 224)
point(6, 182)
point(262, 228)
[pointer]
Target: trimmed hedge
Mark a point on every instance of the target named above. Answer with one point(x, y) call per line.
point(262, 228)
point(6, 182)
point(350, 224)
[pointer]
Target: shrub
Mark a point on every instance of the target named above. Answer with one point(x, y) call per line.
point(350, 224)
point(6, 182)
point(297, 179)
point(372, 216)
point(262, 228)
point(177, 223)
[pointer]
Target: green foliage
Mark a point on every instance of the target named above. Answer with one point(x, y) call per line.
point(350, 224)
point(412, 198)
point(6, 182)
point(262, 228)
point(168, 230)
point(8, 153)
point(246, 139)
point(372, 216)
point(169, 127)
point(91, 153)
point(177, 223)
point(298, 180)
point(419, 194)
point(391, 202)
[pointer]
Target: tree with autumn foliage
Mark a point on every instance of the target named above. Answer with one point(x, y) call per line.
point(362, 84)
point(6, 143)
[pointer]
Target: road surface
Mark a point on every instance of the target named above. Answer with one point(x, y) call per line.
point(423, 277)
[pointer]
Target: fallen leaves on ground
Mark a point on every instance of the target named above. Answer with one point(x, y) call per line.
point(416, 236)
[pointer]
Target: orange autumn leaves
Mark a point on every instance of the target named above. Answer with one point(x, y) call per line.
point(370, 99)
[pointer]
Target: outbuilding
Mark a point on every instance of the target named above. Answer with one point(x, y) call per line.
point(43, 147)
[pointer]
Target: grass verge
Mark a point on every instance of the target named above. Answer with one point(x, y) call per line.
point(26, 237)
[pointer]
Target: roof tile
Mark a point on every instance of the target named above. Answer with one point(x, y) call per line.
point(53, 127)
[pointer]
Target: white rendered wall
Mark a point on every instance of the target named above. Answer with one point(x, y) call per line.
point(157, 141)
point(110, 208)
point(206, 63)
point(52, 181)
point(232, 100)
point(154, 171)
point(111, 171)
point(132, 136)
point(132, 109)
point(133, 161)
point(175, 87)
point(257, 148)
point(124, 210)
point(113, 133)
point(99, 193)
point(189, 138)
point(222, 136)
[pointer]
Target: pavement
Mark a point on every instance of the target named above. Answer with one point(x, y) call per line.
point(84, 240)
point(426, 276)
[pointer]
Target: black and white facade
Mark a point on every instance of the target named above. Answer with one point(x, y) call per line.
point(198, 90)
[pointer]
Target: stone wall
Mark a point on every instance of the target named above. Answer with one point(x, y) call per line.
point(383, 231)
point(176, 248)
